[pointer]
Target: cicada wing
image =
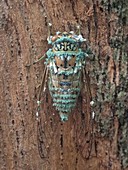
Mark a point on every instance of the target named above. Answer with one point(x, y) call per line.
point(84, 125)
point(41, 134)
point(87, 83)
point(91, 144)
point(43, 83)
point(46, 121)
point(41, 138)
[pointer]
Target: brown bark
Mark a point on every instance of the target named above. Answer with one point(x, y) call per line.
point(80, 143)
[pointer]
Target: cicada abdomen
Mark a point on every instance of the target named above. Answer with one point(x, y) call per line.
point(65, 61)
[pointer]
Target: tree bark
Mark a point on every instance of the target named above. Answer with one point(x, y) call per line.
point(80, 143)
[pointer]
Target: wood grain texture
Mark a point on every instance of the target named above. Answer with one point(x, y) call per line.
point(79, 143)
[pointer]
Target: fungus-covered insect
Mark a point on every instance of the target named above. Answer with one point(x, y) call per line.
point(65, 64)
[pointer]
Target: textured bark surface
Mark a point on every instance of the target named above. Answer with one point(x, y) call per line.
point(81, 143)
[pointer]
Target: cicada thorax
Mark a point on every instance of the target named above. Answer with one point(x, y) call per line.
point(65, 61)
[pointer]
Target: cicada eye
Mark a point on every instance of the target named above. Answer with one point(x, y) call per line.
point(54, 38)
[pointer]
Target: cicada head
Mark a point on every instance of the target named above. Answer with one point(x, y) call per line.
point(66, 42)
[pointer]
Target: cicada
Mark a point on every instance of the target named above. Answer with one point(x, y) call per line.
point(64, 67)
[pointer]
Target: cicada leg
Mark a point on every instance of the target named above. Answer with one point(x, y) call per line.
point(41, 58)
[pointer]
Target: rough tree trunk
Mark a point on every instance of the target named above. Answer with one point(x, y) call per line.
point(80, 143)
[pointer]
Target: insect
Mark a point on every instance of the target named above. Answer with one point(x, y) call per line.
point(64, 67)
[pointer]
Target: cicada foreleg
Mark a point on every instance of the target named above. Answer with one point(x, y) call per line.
point(41, 58)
